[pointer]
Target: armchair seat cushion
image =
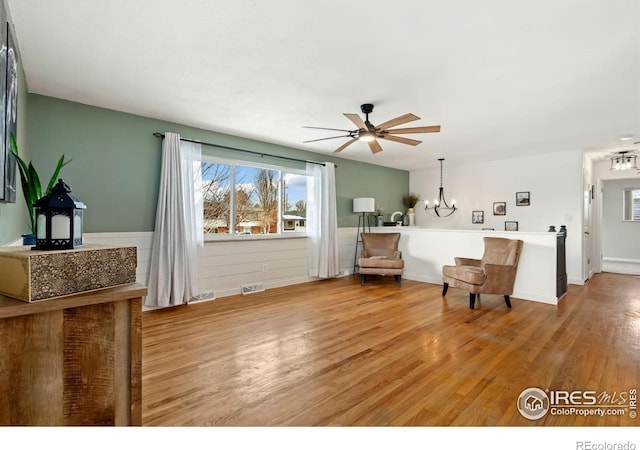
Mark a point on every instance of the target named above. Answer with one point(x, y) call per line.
point(381, 262)
point(467, 274)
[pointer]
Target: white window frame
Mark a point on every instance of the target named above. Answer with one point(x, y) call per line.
point(628, 204)
point(234, 236)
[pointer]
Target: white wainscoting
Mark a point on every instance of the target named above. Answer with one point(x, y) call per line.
point(140, 240)
point(227, 265)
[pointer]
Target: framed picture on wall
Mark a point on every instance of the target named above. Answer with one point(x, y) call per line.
point(477, 217)
point(510, 226)
point(10, 115)
point(499, 208)
point(523, 199)
point(4, 150)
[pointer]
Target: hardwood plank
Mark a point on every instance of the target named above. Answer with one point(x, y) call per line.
point(135, 375)
point(89, 397)
point(31, 370)
point(333, 352)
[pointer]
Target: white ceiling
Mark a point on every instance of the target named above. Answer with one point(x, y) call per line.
point(503, 78)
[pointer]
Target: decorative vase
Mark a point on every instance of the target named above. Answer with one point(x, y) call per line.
point(412, 216)
point(380, 221)
point(29, 239)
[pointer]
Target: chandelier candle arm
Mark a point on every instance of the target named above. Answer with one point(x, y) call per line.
point(440, 206)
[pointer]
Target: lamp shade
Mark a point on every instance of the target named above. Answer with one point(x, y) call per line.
point(364, 204)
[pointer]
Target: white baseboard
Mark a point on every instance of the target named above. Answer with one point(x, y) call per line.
point(623, 260)
point(576, 281)
point(623, 266)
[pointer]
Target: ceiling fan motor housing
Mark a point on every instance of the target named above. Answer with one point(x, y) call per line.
point(366, 108)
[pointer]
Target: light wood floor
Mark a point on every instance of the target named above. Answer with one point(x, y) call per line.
point(335, 353)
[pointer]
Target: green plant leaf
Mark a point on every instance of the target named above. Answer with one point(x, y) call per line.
point(21, 164)
point(30, 180)
point(54, 177)
point(35, 189)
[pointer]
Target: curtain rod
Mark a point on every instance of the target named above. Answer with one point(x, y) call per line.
point(262, 155)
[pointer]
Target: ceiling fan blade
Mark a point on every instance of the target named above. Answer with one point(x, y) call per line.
point(357, 120)
point(332, 129)
point(343, 146)
point(374, 146)
point(398, 121)
point(399, 139)
point(429, 129)
point(324, 139)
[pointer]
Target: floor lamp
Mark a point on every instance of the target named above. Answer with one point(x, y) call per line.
point(362, 205)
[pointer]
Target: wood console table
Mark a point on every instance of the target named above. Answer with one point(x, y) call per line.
point(75, 360)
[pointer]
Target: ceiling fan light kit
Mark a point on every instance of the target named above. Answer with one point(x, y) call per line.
point(369, 133)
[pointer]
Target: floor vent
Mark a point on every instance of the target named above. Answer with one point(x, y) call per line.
point(252, 287)
point(203, 297)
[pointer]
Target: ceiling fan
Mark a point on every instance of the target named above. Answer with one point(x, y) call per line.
point(370, 133)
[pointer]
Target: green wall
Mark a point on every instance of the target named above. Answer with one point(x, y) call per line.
point(116, 163)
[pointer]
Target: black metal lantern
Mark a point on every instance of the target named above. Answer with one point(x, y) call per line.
point(59, 219)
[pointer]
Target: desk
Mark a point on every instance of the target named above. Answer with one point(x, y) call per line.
point(75, 360)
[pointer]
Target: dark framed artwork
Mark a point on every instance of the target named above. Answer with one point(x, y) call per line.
point(523, 198)
point(499, 208)
point(3, 83)
point(510, 226)
point(477, 216)
point(10, 114)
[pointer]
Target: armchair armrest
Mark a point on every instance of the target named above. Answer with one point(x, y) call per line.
point(467, 261)
point(500, 279)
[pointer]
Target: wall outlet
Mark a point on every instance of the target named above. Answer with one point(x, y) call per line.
point(264, 267)
point(250, 288)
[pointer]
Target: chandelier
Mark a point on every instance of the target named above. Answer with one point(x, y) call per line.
point(440, 206)
point(623, 161)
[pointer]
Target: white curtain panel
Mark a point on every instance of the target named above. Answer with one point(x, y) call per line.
point(173, 274)
point(322, 220)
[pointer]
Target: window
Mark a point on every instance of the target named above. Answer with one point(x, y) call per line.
point(631, 206)
point(251, 199)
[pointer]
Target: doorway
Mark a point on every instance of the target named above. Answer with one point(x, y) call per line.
point(619, 231)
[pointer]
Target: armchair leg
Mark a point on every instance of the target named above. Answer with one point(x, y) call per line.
point(362, 279)
point(472, 300)
point(445, 286)
point(507, 301)
point(398, 280)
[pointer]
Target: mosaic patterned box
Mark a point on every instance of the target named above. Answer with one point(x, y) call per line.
point(35, 275)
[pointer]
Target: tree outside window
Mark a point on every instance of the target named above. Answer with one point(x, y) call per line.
point(262, 201)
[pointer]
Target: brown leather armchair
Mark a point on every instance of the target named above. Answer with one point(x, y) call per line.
point(495, 273)
point(380, 256)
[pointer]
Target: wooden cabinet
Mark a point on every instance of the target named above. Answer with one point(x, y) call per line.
point(72, 361)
